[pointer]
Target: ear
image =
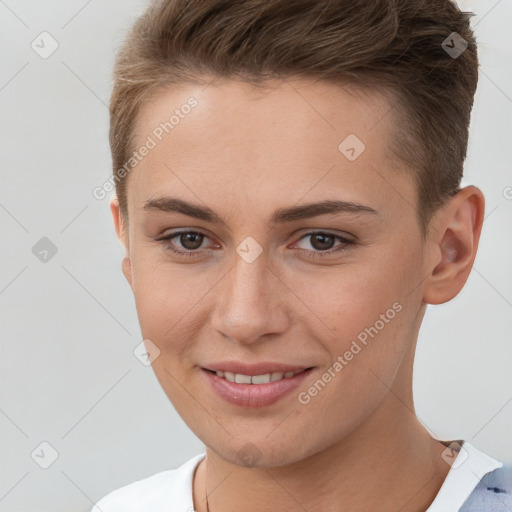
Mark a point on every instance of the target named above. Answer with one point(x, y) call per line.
point(122, 235)
point(457, 227)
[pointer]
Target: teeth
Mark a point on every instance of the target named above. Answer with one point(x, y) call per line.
point(260, 379)
point(229, 376)
point(255, 379)
point(242, 379)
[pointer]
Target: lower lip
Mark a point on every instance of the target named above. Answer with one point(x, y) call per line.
point(254, 395)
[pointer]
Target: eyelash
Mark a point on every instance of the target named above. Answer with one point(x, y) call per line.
point(347, 243)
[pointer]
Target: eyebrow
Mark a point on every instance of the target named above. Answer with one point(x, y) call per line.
point(280, 216)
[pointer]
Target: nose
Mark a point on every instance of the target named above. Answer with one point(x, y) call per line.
point(251, 303)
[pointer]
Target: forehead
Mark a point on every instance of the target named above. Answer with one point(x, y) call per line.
point(303, 109)
point(250, 144)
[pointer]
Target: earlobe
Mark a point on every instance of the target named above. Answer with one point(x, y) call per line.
point(460, 223)
point(122, 235)
point(126, 267)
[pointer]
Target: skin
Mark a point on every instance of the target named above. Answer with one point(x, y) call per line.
point(244, 153)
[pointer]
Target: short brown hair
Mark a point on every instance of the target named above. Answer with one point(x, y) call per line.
point(395, 46)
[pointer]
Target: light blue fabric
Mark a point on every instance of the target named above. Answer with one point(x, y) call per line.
point(493, 493)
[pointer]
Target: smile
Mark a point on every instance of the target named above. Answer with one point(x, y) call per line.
point(265, 378)
point(255, 388)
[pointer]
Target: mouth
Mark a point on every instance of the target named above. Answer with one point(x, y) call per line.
point(257, 387)
point(264, 378)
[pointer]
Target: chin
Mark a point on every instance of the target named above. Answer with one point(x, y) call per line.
point(261, 453)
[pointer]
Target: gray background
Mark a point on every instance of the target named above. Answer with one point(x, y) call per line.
point(69, 325)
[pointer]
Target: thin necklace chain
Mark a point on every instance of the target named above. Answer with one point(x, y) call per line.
point(206, 483)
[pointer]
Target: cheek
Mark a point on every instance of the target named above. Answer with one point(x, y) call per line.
point(361, 315)
point(346, 300)
point(164, 302)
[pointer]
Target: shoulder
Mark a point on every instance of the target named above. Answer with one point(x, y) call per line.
point(493, 493)
point(155, 493)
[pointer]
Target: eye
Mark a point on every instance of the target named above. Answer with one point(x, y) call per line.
point(322, 243)
point(190, 242)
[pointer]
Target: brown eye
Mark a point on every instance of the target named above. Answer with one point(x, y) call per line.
point(191, 240)
point(184, 243)
point(322, 241)
point(321, 244)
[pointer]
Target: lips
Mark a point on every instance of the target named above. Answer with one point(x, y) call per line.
point(254, 385)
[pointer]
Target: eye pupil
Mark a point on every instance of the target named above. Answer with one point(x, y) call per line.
point(186, 238)
point(323, 244)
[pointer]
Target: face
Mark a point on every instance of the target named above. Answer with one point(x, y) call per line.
point(234, 269)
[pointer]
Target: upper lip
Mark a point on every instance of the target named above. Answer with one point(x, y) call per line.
point(255, 368)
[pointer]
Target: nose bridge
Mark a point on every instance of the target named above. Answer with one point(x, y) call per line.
point(246, 307)
point(247, 279)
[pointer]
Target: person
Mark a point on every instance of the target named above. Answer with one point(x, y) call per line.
point(287, 179)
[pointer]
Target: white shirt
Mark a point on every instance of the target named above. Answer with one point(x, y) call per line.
point(171, 490)
point(468, 468)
